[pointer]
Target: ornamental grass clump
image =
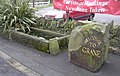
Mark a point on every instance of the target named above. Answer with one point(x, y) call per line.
point(16, 14)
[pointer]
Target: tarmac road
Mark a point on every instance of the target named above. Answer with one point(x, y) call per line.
point(105, 18)
point(49, 65)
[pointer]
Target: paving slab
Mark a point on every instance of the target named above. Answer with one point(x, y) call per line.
point(49, 65)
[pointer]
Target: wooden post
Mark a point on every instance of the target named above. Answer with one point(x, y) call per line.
point(51, 1)
point(33, 3)
point(67, 15)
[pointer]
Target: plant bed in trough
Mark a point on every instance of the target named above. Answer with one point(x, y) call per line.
point(43, 40)
point(66, 28)
point(17, 14)
point(60, 26)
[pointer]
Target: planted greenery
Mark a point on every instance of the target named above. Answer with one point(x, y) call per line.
point(60, 26)
point(1, 6)
point(115, 36)
point(16, 14)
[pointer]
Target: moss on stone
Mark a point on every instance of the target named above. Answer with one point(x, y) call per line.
point(54, 46)
point(84, 54)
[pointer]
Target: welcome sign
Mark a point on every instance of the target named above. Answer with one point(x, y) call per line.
point(95, 6)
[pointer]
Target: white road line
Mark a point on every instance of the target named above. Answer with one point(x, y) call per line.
point(18, 65)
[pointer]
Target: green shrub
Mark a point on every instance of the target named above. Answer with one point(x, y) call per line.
point(16, 14)
point(115, 36)
point(60, 25)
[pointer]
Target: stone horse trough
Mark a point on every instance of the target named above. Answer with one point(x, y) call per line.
point(43, 40)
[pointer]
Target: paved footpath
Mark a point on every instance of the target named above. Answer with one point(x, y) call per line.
point(17, 66)
point(8, 70)
point(44, 64)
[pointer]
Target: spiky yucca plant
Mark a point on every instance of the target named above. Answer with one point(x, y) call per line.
point(16, 14)
point(1, 6)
